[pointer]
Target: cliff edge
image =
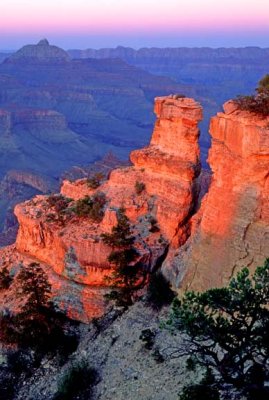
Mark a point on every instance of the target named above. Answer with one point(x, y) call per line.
point(231, 230)
point(158, 192)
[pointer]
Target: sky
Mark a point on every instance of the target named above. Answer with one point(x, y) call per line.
point(138, 23)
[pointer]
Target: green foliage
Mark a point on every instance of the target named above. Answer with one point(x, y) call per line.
point(228, 328)
point(5, 278)
point(95, 180)
point(77, 382)
point(30, 323)
point(121, 235)
point(34, 286)
point(91, 207)
point(159, 292)
point(205, 390)
point(58, 202)
point(258, 103)
point(61, 207)
point(127, 274)
point(36, 325)
point(139, 187)
point(191, 364)
point(148, 337)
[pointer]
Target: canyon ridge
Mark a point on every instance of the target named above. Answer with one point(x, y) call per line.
point(197, 243)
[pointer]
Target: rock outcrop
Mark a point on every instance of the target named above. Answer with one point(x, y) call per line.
point(161, 197)
point(231, 230)
point(72, 246)
point(170, 164)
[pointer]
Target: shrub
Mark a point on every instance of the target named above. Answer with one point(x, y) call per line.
point(77, 382)
point(159, 292)
point(148, 337)
point(199, 392)
point(95, 181)
point(204, 390)
point(121, 235)
point(228, 330)
point(5, 279)
point(127, 275)
point(258, 103)
point(28, 326)
point(139, 187)
point(58, 202)
point(157, 356)
point(36, 325)
point(34, 286)
point(91, 207)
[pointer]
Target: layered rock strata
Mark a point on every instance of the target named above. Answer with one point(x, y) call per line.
point(231, 230)
point(158, 193)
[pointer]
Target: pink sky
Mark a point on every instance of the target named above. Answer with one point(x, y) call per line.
point(148, 18)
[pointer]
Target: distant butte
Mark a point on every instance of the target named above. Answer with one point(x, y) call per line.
point(43, 42)
point(40, 53)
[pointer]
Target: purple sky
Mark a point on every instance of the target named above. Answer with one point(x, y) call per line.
point(108, 23)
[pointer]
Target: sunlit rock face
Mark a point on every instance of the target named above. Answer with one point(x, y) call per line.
point(78, 301)
point(172, 163)
point(158, 193)
point(168, 176)
point(231, 230)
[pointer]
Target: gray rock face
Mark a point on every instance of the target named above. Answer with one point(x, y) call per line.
point(125, 367)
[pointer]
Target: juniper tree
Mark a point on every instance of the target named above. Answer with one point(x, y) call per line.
point(227, 330)
point(127, 273)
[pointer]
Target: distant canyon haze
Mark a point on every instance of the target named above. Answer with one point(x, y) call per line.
point(65, 109)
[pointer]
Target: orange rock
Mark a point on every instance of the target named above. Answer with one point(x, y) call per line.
point(231, 229)
point(158, 193)
point(76, 190)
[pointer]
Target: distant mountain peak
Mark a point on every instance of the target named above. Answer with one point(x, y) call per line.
point(43, 42)
point(40, 53)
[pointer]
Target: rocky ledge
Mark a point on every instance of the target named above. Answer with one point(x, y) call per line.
point(72, 246)
point(198, 246)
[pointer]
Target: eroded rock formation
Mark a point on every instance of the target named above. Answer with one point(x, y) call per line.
point(231, 230)
point(158, 193)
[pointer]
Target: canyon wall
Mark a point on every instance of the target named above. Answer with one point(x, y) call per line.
point(231, 230)
point(202, 245)
point(159, 168)
point(158, 192)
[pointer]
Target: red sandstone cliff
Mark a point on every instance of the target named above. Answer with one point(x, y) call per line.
point(231, 230)
point(162, 167)
point(167, 170)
